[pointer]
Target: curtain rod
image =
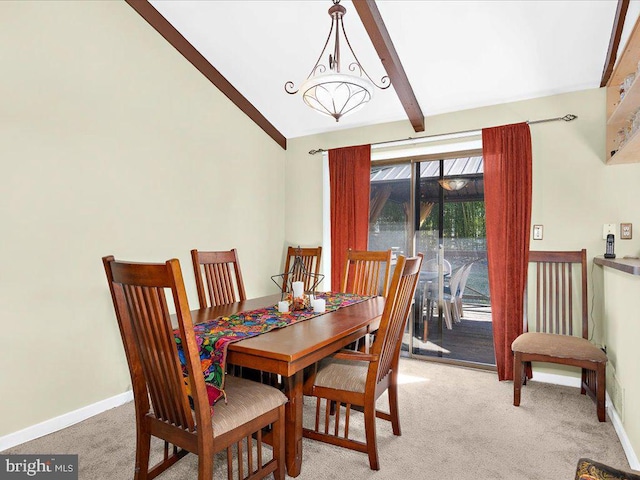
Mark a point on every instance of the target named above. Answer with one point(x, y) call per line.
point(567, 118)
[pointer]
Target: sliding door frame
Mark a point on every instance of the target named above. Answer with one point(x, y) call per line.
point(414, 226)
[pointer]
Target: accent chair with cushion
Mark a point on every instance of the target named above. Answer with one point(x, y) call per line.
point(554, 340)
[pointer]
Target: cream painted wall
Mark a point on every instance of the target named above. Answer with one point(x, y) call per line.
point(574, 193)
point(622, 331)
point(110, 143)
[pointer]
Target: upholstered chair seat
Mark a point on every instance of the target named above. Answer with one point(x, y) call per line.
point(558, 346)
point(246, 400)
point(557, 314)
point(346, 375)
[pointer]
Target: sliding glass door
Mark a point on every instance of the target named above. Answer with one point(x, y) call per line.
point(437, 208)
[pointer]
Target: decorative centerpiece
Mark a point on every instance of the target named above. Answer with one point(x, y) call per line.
point(292, 285)
point(299, 300)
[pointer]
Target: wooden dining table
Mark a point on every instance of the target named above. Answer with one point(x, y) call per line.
point(287, 351)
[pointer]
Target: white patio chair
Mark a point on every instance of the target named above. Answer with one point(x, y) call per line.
point(458, 311)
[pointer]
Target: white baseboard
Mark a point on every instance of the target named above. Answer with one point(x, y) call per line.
point(568, 381)
point(554, 378)
point(632, 458)
point(63, 421)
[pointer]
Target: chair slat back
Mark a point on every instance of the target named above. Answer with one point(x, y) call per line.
point(310, 259)
point(139, 298)
point(555, 287)
point(223, 276)
point(367, 272)
point(397, 307)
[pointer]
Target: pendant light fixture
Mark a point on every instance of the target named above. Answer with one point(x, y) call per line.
point(453, 184)
point(327, 89)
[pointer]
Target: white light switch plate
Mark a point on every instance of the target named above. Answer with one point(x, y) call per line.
point(537, 232)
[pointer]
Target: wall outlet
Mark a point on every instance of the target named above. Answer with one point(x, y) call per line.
point(608, 228)
point(625, 231)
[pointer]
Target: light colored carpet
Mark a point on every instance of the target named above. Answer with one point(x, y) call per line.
point(456, 424)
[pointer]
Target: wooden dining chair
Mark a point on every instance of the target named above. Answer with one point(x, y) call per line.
point(222, 277)
point(163, 407)
point(367, 272)
point(219, 282)
point(553, 340)
point(309, 260)
point(356, 379)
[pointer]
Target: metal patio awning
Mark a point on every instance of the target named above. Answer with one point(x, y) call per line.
point(398, 178)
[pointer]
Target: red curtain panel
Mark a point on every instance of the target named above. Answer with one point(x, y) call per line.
point(507, 195)
point(349, 178)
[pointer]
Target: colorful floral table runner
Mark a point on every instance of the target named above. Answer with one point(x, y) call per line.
point(214, 336)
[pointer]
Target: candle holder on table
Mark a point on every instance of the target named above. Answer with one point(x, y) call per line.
point(292, 284)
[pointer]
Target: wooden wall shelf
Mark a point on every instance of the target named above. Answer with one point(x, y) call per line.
point(620, 112)
point(627, 265)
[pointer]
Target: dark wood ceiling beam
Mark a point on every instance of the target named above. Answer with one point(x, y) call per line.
point(168, 31)
point(377, 31)
point(614, 42)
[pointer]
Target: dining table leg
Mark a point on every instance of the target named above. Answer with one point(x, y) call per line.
point(293, 423)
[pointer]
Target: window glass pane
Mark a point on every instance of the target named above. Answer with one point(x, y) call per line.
point(389, 217)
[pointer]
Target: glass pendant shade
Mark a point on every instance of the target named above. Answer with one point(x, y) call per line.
point(336, 94)
point(453, 184)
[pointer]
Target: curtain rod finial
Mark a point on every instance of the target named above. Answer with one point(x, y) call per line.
point(569, 116)
point(318, 150)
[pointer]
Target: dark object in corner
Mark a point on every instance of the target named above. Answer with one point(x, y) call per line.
point(589, 470)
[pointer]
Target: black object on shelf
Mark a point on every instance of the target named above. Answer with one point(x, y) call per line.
point(609, 253)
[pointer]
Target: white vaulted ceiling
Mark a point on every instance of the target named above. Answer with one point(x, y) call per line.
point(456, 54)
